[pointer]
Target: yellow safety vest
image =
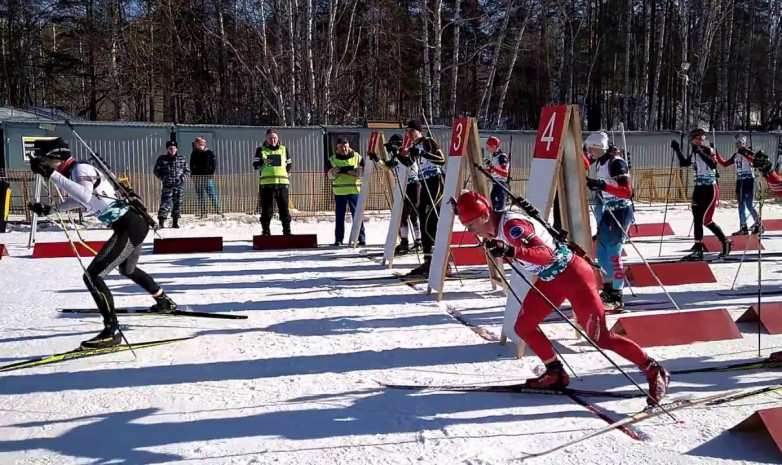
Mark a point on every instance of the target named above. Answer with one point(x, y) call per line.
point(277, 172)
point(344, 183)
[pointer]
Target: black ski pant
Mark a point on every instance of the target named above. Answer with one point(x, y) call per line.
point(271, 194)
point(121, 251)
point(704, 201)
point(410, 210)
point(431, 196)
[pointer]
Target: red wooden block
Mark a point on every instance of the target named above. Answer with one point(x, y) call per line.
point(713, 244)
point(469, 256)
point(772, 225)
point(293, 241)
point(3, 251)
point(650, 229)
point(187, 245)
point(770, 316)
point(670, 273)
point(459, 238)
point(767, 422)
point(64, 249)
point(673, 329)
point(624, 252)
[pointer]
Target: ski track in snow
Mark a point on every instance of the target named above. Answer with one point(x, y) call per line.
point(297, 382)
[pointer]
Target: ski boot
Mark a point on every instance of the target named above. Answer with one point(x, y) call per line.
point(362, 243)
point(286, 231)
point(757, 229)
point(109, 337)
point(417, 244)
point(554, 377)
point(161, 222)
point(403, 248)
point(727, 246)
point(658, 378)
point(337, 244)
point(605, 294)
point(163, 304)
point(743, 231)
point(266, 232)
point(175, 223)
point(422, 269)
point(615, 302)
point(696, 255)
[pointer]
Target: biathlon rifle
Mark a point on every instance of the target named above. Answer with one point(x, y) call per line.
point(124, 190)
point(560, 235)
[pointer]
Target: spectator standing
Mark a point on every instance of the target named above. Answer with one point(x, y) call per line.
point(172, 170)
point(203, 165)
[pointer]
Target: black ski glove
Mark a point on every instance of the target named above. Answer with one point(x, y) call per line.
point(414, 152)
point(596, 184)
point(675, 145)
point(762, 163)
point(39, 209)
point(39, 166)
point(373, 156)
point(499, 249)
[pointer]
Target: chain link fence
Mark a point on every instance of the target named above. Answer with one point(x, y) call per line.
point(311, 194)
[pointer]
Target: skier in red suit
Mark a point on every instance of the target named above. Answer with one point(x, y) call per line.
point(561, 275)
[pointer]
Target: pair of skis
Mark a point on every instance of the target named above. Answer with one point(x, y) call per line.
point(83, 353)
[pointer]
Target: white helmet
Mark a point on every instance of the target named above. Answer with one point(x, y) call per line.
point(597, 140)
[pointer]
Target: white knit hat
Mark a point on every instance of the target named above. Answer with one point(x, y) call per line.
point(597, 140)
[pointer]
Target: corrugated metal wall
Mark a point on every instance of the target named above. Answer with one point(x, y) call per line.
point(132, 148)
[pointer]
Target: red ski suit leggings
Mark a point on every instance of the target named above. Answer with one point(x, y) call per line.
point(577, 285)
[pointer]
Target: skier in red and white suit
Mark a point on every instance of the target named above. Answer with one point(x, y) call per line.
point(561, 275)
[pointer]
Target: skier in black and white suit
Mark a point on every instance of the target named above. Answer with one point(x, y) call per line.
point(88, 188)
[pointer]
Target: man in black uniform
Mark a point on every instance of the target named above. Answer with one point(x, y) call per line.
point(430, 158)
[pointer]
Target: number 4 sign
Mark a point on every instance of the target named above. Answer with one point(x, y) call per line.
point(552, 123)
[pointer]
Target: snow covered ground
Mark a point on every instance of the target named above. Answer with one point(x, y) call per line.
point(297, 382)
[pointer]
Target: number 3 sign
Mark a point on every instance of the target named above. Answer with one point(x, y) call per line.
point(549, 138)
point(459, 137)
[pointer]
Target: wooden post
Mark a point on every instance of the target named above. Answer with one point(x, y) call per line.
point(464, 141)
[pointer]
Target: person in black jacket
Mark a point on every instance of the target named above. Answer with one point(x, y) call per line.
point(202, 167)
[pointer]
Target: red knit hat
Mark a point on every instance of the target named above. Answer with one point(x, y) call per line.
point(471, 205)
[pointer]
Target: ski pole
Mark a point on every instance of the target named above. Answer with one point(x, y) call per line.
point(656, 278)
point(630, 166)
point(667, 197)
point(576, 327)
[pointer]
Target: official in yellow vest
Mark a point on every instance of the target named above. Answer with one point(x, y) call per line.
point(274, 163)
point(345, 169)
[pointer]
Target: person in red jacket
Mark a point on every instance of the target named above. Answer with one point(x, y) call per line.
point(561, 275)
point(499, 167)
